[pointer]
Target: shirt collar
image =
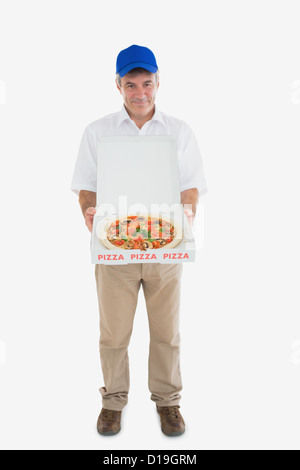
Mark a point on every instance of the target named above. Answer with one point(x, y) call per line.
point(123, 116)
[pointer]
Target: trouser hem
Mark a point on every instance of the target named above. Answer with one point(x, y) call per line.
point(109, 405)
point(167, 403)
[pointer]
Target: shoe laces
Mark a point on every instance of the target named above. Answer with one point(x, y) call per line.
point(173, 413)
point(109, 414)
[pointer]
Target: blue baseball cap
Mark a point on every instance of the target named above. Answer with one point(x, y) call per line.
point(135, 56)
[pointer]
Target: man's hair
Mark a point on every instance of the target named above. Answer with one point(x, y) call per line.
point(135, 72)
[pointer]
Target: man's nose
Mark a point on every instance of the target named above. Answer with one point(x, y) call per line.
point(140, 92)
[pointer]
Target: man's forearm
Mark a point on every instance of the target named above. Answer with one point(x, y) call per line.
point(190, 196)
point(87, 199)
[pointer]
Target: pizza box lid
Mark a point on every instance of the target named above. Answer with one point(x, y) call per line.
point(144, 169)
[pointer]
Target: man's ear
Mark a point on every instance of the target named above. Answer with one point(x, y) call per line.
point(118, 86)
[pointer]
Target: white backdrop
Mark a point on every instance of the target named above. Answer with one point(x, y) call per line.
point(231, 70)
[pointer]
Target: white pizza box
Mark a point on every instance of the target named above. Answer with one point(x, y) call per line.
point(139, 175)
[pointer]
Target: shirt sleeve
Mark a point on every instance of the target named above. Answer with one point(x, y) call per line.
point(85, 171)
point(191, 169)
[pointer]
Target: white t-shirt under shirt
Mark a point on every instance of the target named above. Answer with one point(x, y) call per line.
point(120, 124)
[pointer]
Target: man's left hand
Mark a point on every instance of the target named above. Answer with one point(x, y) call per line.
point(190, 216)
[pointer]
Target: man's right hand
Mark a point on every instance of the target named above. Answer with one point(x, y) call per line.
point(89, 217)
point(87, 201)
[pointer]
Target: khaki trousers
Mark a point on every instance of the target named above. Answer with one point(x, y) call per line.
point(117, 289)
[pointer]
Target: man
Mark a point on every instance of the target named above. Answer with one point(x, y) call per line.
point(118, 286)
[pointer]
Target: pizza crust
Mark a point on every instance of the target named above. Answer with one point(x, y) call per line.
point(104, 224)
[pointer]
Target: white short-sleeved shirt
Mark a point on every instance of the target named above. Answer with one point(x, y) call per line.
point(120, 124)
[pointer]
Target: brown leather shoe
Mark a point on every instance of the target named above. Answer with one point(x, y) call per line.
point(172, 423)
point(109, 422)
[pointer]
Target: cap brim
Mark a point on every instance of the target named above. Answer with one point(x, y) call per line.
point(134, 65)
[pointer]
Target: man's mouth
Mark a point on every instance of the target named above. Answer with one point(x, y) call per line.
point(140, 102)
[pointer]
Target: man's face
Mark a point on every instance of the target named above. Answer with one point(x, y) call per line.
point(139, 93)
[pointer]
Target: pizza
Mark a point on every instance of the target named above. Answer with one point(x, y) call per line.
point(140, 233)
